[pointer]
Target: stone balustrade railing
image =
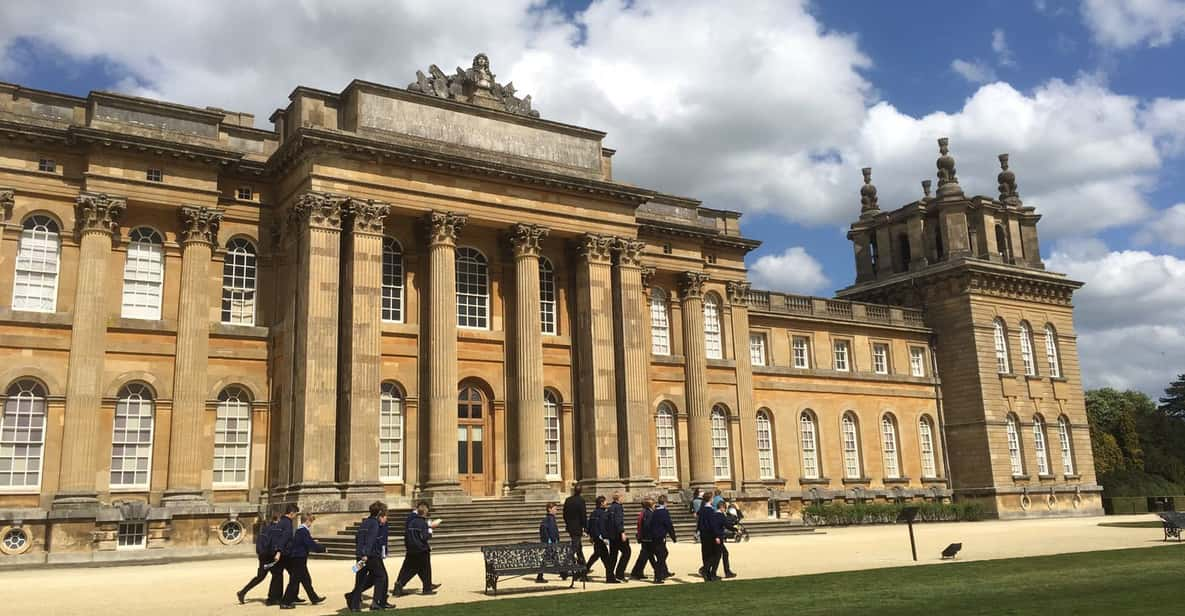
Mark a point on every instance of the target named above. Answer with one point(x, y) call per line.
point(784, 303)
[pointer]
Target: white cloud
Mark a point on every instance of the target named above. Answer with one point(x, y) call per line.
point(975, 71)
point(1165, 118)
point(1128, 317)
point(1134, 22)
point(1000, 46)
point(793, 271)
point(1167, 228)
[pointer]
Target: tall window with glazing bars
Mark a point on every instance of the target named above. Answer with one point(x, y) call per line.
point(238, 283)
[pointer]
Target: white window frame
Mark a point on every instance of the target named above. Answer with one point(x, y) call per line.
point(133, 397)
point(660, 323)
point(241, 189)
point(890, 447)
point(47, 165)
point(391, 433)
point(472, 289)
point(38, 264)
point(128, 530)
point(800, 352)
point(393, 299)
point(143, 275)
point(880, 357)
point(1026, 349)
point(552, 460)
point(721, 457)
point(548, 317)
point(1015, 460)
point(757, 348)
point(917, 361)
point(926, 447)
point(1052, 353)
point(232, 439)
point(154, 175)
point(842, 352)
point(809, 434)
point(1040, 448)
point(1000, 341)
point(851, 446)
point(713, 339)
point(765, 445)
point(240, 275)
point(664, 427)
point(1063, 426)
point(22, 436)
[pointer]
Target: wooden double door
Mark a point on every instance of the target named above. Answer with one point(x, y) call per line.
point(473, 446)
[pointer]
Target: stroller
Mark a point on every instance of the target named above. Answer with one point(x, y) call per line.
point(734, 526)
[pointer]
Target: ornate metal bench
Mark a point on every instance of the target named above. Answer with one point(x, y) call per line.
point(531, 558)
point(1173, 522)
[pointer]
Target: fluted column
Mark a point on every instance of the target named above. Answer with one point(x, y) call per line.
point(634, 363)
point(528, 363)
point(738, 298)
point(317, 221)
point(361, 365)
point(440, 349)
point(595, 352)
point(96, 220)
point(191, 437)
point(699, 418)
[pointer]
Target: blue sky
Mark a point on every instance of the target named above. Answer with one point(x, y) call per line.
point(767, 108)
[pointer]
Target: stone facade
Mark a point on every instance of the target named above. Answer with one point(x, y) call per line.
point(433, 293)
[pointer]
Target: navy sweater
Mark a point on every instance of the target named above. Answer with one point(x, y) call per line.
point(549, 531)
point(303, 544)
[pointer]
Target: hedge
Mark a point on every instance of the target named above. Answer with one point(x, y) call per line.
point(886, 513)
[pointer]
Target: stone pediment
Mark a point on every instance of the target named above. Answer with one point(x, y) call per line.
point(475, 85)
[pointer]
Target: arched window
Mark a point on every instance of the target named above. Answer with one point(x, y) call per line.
point(889, 446)
point(765, 445)
point(390, 433)
point(232, 438)
point(473, 289)
point(1051, 352)
point(1026, 349)
point(1039, 445)
point(1014, 458)
point(1000, 338)
point(721, 461)
point(713, 347)
point(810, 445)
point(131, 440)
point(926, 443)
point(1063, 432)
point(851, 446)
point(664, 425)
point(660, 325)
point(238, 283)
point(392, 280)
point(547, 316)
point(143, 275)
point(551, 436)
point(1002, 241)
point(22, 437)
point(35, 287)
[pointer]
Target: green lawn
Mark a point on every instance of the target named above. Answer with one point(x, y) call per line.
point(1142, 524)
point(1135, 581)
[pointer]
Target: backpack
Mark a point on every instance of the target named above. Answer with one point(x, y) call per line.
point(644, 517)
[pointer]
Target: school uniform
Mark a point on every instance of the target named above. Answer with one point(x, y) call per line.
point(597, 530)
point(418, 558)
point(575, 522)
point(297, 559)
point(661, 527)
point(549, 533)
point(262, 538)
point(711, 527)
point(279, 536)
point(371, 543)
point(619, 544)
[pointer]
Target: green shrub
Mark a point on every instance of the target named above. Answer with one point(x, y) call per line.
point(828, 514)
point(1137, 483)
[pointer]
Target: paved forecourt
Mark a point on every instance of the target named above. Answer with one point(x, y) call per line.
point(208, 587)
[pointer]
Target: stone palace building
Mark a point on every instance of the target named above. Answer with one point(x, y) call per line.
point(431, 292)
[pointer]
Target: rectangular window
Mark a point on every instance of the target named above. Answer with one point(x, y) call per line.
point(757, 349)
point(155, 175)
point(131, 536)
point(801, 346)
point(245, 193)
point(917, 361)
point(841, 355)
point(47, 165)
point(880, 358)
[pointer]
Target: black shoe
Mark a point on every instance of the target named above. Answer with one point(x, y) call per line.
point(398, 591)
point(287, 606)
point(623, 579)
point(637, 576)
point(660, 580)
point(381, 606)
point(612, 581)
point(428, 592)
point(434, 587)
point(540, 580)
point(729, 574)
point(317, 600)
point(271, 602)
point(241, 595)
point(298, 600)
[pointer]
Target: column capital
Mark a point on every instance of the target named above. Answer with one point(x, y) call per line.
point(691, 285)
point(443, 227)
point(320, 210)
point(738, 292)
point(595, 248)
point(647, 279)
point(525, 239)
point(366, 215)
point(98, 213)
point(629, 251)
point(7, 199)
point(200, 224)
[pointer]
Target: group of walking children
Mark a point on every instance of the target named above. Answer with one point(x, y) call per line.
point(282, 548)
point(606, 529)
point(715, 524)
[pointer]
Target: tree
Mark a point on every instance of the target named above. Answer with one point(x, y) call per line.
point(1173, 402)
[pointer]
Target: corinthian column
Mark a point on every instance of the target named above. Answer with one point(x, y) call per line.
point(361, 365)
point(699, 418)
point(738, 299)
point(531, 478)
point(440, 349)
point(192, 438)
point(595, 353)
point(96, 222)
point(634, 363)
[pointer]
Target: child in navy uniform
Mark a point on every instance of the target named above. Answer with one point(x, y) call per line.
point(297, 558)
point(549, 533)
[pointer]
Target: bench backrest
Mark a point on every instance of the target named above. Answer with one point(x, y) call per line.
point(528, 556)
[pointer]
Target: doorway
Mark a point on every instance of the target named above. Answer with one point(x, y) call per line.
point(472, 454)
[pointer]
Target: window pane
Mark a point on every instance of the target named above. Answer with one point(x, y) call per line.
point(35, 284)
point(232, 435)
point(720, 456)
point(475, 442)
point(712, 344)
point(547, 316)
point(131, 447)
point(22, 436)
point(462, 450)
point(473, 293)
point(238, 283)
point(392, 280)
point(390, 434)
point(665, 424)
point(660, 336)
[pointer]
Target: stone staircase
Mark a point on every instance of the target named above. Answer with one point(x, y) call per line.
point(470, 526)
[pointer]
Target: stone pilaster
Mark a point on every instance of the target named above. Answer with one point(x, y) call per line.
point(316, 221)
point(96, 220)
point(599, 467)
point(530, 480)
point(633, 364)
point(191, 443)
point(361, 365)
point(699, 418)
point(749, 471)
point(440, 349)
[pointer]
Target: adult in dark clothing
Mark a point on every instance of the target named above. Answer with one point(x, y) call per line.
point(619, 543)
point(661, 527)
point(265, 557)
point(642, 534)
point(279, 536)
point(730, 528)
point(297, 563)
point(418, 558)
point(598, 531)
point(575, 521)
point(549, 533)
point(711, 536)
point(370, 548)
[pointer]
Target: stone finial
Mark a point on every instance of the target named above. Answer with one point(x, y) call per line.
point(738, 292)
point(97, 212)
point(527, 240)
point(316, 209)
point(868, 206)
point(476, 85)
point(1007, 184)
point(926, 190)
point(629, 251)
point(200, 224)
point(948, 179)
point(366, 215)
point(595, 248)
point(7, 199)
point(691, 285)
point(444, 227)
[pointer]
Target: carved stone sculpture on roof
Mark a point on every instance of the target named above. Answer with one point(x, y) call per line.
point(476, 85)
